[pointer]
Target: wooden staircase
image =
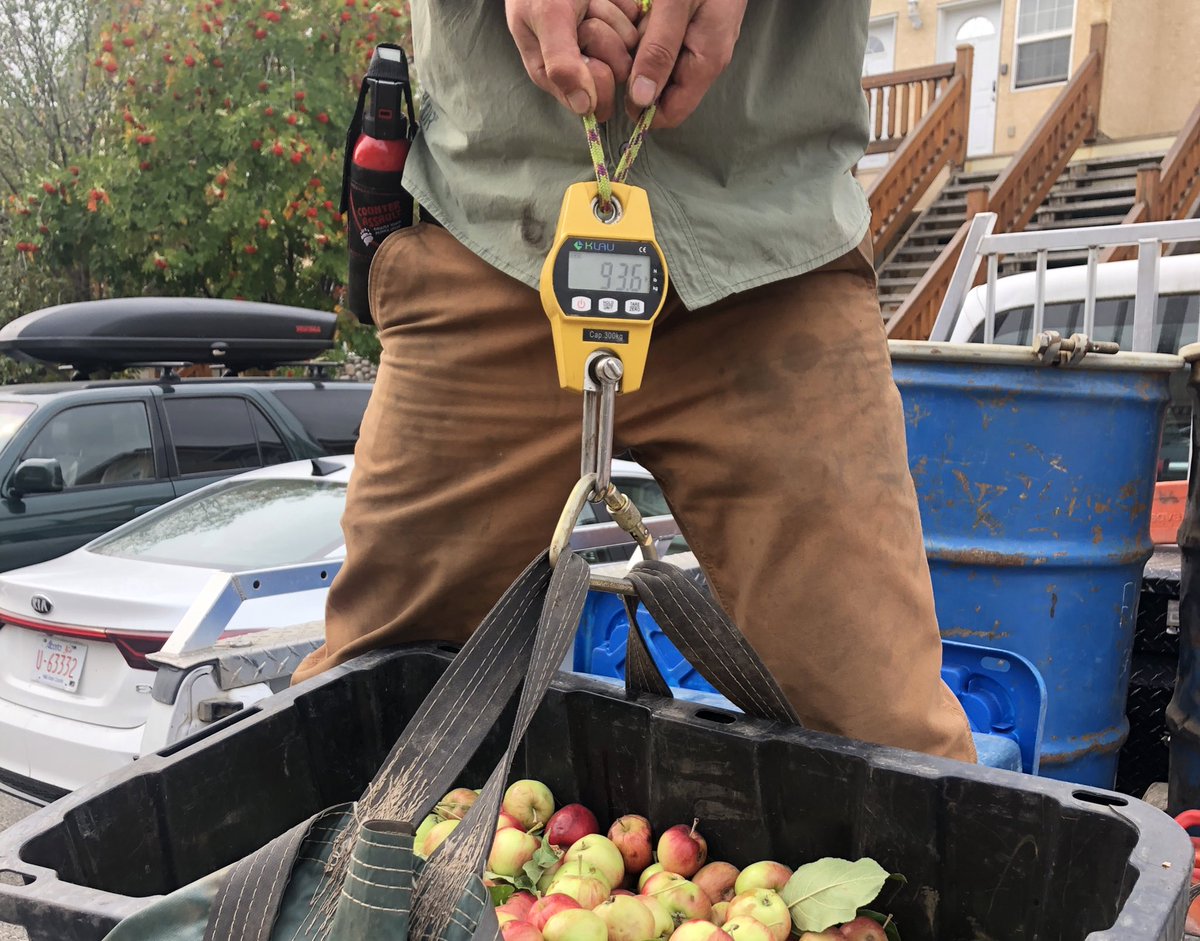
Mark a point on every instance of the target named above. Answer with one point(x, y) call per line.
point(925, 240)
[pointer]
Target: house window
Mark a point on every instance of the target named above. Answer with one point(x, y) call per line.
point(1044, 31)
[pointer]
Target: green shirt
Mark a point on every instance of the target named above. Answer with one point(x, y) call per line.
point(754, 187)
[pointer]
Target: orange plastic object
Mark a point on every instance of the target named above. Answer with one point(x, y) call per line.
point(1166, 513)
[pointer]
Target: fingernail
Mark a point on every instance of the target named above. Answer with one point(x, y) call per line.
point(643, 91)
point(579, 102)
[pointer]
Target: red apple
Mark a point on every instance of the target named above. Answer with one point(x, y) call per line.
point(544, 908)
point(699, 930)
point(830, 935)
point(631, 835)
point(863, 929)
point(627, 919)
point(520, 931)
point(683, 850)
point(617, 892)
point(511, 850)
point(505, 917)
point(571, 824)
point(508, 820)
point(519, 903)
point(454, 806)
point(717, 880)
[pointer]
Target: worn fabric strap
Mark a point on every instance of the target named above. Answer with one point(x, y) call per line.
point(708, 640)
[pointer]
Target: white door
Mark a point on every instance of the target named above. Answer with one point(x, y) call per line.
point(977, 25)
point(881, 46)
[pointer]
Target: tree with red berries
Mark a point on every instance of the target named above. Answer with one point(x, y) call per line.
point(215, 167)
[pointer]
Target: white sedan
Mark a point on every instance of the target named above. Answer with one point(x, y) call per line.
point(75, 631)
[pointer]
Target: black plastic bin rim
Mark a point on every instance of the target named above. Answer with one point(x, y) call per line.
point(1162, 857)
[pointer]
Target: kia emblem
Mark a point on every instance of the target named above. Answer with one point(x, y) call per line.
point(41, 604)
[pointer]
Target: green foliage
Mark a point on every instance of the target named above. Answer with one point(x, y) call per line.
point(216, 168)
point(830, 891)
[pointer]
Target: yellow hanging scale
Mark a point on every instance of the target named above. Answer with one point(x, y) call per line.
point(603, 284)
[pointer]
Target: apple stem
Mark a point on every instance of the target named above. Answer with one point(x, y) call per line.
point(695, 823)
point(887, 921)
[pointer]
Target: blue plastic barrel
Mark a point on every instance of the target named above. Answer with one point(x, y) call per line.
point(1035, 485)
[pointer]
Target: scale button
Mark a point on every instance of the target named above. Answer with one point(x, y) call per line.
point(581, 303)
point(635, 307)
point(608, 305)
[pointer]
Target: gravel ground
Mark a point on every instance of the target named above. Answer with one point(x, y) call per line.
point(12, 810)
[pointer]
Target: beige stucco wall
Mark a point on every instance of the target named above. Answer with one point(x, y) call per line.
point(1152, 77)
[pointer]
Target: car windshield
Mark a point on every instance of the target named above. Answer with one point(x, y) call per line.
point(241, 524)
point(12, 417)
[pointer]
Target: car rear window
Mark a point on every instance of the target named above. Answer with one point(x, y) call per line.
point(12, 417)
point(237, 525)
point(331, 415)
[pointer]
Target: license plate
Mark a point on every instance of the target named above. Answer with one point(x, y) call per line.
point(59, 663)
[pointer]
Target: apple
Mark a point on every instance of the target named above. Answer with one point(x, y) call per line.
point(649, 871)
point(423, 830)
point(663, 923)
point(571, 824)
point(508, 820)
point(511, 850)
point(454, 806)
point(627, 919)
point(765, 906)
point(530, 802)
point(699, 930)
point(863, 929)
point(683, 900)
point(588, 891)
point(762, 875)
point(575, 925)
point(433, 839)
point(617, 892)
point(717, 916)
point(681, 849)
point(717, 880)
point(519, 903)
point(505, 917)
point(659, 882)
point(632, 835)
point(520, 931)
point(544, 908)
point(601, 853)
point(747, 929)
point(831, 934)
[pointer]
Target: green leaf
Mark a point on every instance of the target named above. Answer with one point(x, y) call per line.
point(543, 858)
point(501, 894)
point(887, 921)
point(830, 891)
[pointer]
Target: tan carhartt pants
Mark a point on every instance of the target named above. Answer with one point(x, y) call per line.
point(770, 419)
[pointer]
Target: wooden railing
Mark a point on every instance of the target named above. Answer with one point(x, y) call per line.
point(1167, 191)
point(899, 100)
point(938, 139)
point(1021, 188)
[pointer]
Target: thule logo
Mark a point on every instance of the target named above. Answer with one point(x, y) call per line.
point(41, 604)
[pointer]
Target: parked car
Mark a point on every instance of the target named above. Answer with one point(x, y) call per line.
point(75, 632)
point(1176, 324)
point(79, 458)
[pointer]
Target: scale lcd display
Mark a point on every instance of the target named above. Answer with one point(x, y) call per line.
point(593, 271)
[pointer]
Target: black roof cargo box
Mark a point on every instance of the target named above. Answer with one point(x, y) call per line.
point(130, 331)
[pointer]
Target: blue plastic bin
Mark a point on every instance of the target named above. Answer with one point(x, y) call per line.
point(1002, 693)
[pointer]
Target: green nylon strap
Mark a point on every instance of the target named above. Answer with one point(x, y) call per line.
point(628, 155)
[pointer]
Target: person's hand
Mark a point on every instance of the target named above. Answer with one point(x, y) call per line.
point(684, 46)
point(577, 50)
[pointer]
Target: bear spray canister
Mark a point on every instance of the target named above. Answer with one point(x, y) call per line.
point(373, 198)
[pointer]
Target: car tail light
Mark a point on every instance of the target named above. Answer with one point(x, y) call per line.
point(134, 646)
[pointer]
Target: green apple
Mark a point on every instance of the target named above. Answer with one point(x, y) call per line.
point(762, 875)
point(435, 837)
point(601, 853)
point(530, 802)
point(747, 929)
point(663, 924)
point(651, 870)
point(588, 891)
point(699, 930)
point(511, 850)
point(765, 906)
point(627, 918)
point(575, 925)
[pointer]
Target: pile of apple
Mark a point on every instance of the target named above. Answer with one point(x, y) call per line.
point(555, 877)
